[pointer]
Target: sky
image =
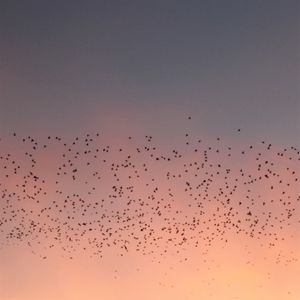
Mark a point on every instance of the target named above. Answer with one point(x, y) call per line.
point(136, 68)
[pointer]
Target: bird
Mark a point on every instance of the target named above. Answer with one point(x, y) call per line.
point(85, 195)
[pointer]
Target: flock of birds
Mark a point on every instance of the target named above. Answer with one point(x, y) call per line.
point(86, 195)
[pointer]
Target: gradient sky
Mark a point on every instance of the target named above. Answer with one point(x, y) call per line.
point(65, 64)
point(120, 67)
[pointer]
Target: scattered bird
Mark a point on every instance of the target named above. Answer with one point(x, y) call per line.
point(57, 193)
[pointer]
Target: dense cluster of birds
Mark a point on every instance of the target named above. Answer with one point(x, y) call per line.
point(88, 195)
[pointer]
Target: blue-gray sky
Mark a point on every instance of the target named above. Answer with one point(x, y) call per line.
point(228, 63)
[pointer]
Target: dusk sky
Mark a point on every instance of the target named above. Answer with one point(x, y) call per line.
point(224, 72)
